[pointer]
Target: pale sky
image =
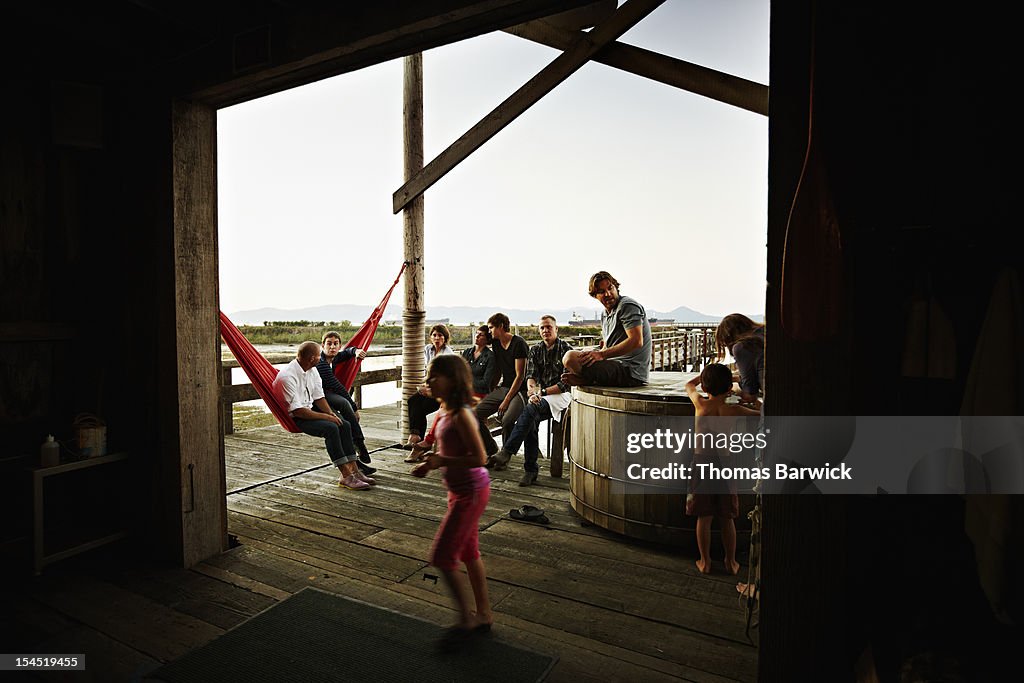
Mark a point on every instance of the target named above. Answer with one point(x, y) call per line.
point(665, 189)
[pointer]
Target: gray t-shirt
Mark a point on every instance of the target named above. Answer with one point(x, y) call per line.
point(626, 315)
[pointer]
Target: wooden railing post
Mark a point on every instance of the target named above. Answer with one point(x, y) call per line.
point(227, 408)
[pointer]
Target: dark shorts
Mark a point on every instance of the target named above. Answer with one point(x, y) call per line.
point(709, 496)
point(609, 373)
point(723, 506)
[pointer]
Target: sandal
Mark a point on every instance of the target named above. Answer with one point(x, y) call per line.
point(529, 513)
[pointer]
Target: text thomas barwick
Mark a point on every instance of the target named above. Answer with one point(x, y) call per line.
point(707, 470)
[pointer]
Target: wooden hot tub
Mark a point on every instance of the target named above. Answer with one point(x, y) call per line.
point(600, 493)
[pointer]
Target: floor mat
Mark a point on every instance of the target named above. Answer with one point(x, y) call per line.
point(319, 636)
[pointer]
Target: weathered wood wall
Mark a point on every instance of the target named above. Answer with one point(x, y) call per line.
point(201, 467)
point(914, 133)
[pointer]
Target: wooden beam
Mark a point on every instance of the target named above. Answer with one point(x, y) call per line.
point(694, 78)
point(583, 48)
point(327, 39)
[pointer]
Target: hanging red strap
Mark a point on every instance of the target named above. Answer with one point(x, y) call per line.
point(259, 370)
point(347, 370)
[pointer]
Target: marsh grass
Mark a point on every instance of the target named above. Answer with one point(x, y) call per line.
point(251, 417)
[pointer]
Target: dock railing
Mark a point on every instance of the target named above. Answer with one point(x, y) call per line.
point(683, 346)
point(230, 393)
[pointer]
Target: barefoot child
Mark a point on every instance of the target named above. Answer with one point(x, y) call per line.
point(709, 499)
point(461, 454)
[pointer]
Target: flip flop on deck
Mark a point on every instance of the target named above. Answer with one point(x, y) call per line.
point(529, 513)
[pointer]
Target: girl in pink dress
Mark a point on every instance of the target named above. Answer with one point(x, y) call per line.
point(461, 455)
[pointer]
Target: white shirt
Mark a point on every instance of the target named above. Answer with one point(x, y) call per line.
point(296, 388)
point(429, 352)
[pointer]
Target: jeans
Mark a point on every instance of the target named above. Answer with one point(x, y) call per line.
point(526, 431)
point(338, 438)
point(340, 405)
point(487, 406)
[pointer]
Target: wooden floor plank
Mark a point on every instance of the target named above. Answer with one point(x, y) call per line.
point(365, 509)
point(361, 557)
point(153, 629)
point(593, 558)
point(328, 522)
point(43, 629)
point(710, 655)
point(192, 593)
point(241, 581)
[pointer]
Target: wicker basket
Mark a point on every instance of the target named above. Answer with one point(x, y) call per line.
point(90, 435)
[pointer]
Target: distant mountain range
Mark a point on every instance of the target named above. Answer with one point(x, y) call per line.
point(457, 315)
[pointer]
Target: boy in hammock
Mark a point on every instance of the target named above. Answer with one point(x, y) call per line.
point(331, 355)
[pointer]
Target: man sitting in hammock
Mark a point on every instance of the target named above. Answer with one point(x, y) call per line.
point(299, 388)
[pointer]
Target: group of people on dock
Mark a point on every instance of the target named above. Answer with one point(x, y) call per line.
point(522, 386)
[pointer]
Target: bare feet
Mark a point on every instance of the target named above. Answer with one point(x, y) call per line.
point(703, 567)
point(732, 567)
point(746, 589)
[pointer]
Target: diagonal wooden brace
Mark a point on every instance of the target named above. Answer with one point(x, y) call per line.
point(584, 46)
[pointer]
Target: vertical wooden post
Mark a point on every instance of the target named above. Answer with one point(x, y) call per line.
point(196, 480)
point(413, 314)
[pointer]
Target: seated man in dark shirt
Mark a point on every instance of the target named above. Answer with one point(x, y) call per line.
point(548, 397)
point(508, 398)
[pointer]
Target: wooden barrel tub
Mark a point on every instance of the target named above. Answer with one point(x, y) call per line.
point(601, 419)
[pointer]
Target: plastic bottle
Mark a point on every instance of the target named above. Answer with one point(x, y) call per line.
point(50, 452)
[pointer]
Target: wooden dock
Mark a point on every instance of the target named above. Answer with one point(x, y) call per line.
point(609, 608)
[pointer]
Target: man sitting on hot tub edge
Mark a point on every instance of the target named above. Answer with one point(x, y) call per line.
point(624, 357)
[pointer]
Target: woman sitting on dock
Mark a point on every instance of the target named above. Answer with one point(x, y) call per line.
point(422, 403)
point(485, 371)
point(744, 340)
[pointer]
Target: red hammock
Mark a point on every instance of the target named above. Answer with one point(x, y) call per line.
point(261, 373)
point(346, 371)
